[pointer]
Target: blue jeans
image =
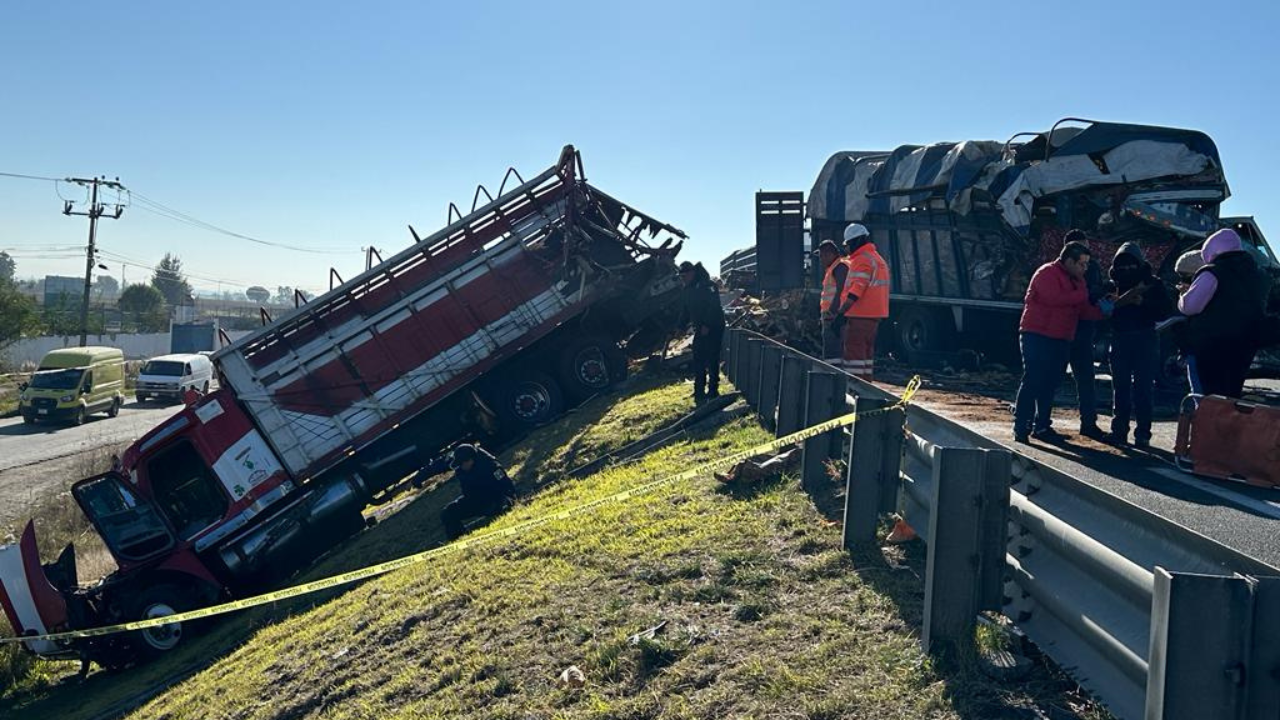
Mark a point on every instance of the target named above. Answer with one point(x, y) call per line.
point(1043, 358)
point(1135, 360)
point(1193, 376)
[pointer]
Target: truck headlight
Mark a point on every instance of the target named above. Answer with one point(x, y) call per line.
point(66, 398)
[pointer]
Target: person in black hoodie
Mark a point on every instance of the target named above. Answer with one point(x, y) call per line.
point(701, 308)
point(1135, 346)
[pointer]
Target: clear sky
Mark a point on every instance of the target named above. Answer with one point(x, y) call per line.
point(333, 125)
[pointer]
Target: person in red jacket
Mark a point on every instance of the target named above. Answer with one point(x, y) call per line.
point(1057, 299)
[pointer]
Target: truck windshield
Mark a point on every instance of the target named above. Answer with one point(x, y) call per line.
point(131, 528)
point(163, 367)
point(57, 379)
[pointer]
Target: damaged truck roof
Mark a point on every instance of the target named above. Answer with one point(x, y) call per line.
point(1013, 175)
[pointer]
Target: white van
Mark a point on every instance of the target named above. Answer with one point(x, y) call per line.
point(169, 376)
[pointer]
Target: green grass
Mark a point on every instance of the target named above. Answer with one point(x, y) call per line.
point(765, 616)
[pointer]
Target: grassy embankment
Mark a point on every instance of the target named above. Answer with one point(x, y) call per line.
point(761, 613)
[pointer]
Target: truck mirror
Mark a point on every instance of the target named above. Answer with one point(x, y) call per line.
point(22, 387)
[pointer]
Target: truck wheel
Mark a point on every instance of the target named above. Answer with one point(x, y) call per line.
point(153, 602)
point(115, 408)
point(529, 401)
point(920, 330)
point(81, 415)
point(589, 366)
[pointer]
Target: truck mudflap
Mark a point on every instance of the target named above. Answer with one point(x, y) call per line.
point(31, 603)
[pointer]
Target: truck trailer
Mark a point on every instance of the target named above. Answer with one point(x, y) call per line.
point(964, 225)
point(484, 329)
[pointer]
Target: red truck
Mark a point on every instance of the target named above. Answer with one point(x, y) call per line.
point(488, 327)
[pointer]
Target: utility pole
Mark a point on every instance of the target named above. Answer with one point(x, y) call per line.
point(95, 211)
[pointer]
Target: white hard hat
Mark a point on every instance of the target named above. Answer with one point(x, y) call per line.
point(855, 231)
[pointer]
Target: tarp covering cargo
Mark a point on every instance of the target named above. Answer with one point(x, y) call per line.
point(1014, 175)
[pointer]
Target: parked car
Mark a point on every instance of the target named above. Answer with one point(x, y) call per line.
point(74, 383)
point(168, 377)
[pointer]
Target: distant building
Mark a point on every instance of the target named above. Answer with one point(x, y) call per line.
point(60, 290)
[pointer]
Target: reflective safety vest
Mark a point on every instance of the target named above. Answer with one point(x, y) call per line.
point(828, 299)
point(869, 281)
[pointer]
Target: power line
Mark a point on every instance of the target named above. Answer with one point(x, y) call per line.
point(22, 176)
point(163, 210)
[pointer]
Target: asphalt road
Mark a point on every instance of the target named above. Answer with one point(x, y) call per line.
point(38, 460)
point(1240, 516)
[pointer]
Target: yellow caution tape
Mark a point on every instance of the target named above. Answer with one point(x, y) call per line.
point(471, 542)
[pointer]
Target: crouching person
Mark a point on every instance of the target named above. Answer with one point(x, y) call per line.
point(486, 489)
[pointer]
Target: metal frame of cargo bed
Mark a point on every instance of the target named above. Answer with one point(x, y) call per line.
point(358, 311)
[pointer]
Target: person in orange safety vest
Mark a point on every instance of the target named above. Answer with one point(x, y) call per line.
point(864, 302)
point(833, 279)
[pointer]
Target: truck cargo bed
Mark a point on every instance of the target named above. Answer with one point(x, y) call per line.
point(335, 374)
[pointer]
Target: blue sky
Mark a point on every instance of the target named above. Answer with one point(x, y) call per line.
point(336, 124)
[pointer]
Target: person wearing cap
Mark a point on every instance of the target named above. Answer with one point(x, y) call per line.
point(864, 301)
point(1188, 264)
point(1080, 354)
point(1135, 346)
point(1225, 307)
point(701, 309)
point(835, 271)
point(486, 488)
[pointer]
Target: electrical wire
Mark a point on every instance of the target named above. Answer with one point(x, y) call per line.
point(23, 176)
point(157, 208)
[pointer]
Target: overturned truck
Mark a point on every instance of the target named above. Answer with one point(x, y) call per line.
point(964, 225)
point(486, 328)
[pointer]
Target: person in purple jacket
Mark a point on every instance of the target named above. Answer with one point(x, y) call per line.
point(1225, 308)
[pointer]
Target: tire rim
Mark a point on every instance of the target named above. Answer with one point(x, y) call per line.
point(531, 401)
point(915, 336)
point(591, 369)
point(165, 637)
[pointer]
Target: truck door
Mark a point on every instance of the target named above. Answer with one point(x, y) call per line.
point(185, 489)
point(131, 528)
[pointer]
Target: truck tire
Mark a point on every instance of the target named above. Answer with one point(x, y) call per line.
point(921, 330)
point(114, 410)
point(81, 416)
point(527, 401)
point(152, 602)
point(589, 366)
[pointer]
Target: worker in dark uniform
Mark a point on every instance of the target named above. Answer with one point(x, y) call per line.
point(702, 310)
point(835, 267)
point(486, 489)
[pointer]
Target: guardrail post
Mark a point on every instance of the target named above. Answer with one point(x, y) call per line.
point(824, 400)
point(749, 369)
point(968, 522)
point(770, 372)
point(875, 461)
point(791, 393)
point(1214, 647)
point(735, 356)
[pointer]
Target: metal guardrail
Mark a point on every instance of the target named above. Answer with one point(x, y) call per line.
point(1157, 621)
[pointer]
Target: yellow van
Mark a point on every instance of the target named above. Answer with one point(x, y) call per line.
point(74, 383)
